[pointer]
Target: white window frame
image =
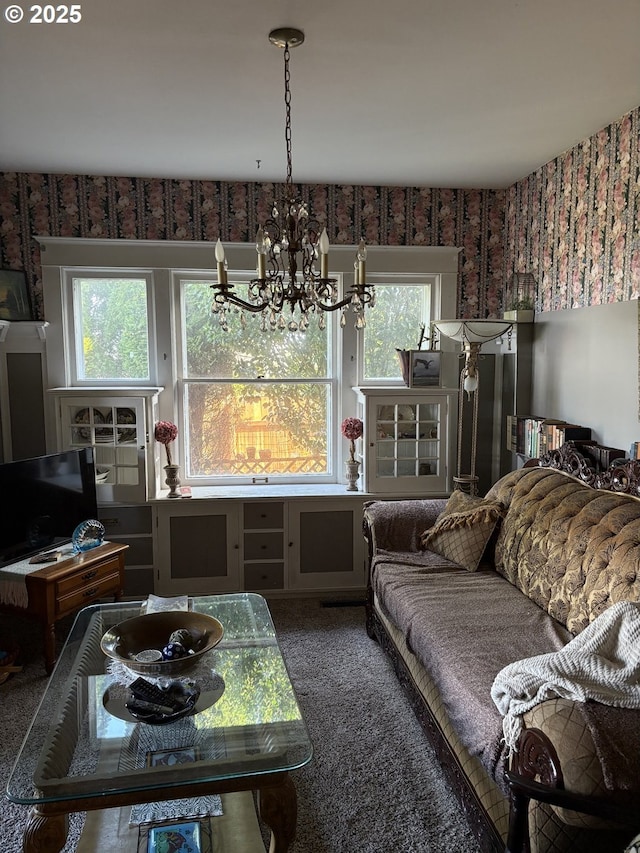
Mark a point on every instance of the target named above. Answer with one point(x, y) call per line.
point(431, 281)
point(242, 277)
point(159, 260)
point(72, 332)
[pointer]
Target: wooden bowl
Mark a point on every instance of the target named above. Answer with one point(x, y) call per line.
point(127, 639)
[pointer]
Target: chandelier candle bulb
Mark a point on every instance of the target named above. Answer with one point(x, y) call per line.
point(362, 257)
point(262, 252)
point(323, 245)
point(222, 272)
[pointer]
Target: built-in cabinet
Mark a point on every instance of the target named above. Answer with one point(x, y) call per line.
point(407, 439)
point(23, 372)
point(132, 526)
point(216, 546)
point(326, 545)
point(196, 547)
point(119, 429)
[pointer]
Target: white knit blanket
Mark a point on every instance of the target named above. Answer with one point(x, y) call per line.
point(601, 663)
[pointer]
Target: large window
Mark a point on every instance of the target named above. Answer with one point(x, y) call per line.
point(255, 403)
point(248, 404)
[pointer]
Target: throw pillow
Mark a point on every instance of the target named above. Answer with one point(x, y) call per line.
point(463, 529)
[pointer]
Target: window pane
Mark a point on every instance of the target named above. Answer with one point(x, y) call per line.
point(111, 328)
point(394, 323)
point(257, 429)
point(247, 353)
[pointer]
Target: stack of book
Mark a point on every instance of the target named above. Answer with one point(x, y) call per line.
point(533, 436)
point(603, 456)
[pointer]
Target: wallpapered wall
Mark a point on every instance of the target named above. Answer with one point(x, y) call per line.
point(574, 223)
point(137, 208)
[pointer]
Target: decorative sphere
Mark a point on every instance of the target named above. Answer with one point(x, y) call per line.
point(173, 650)
point(182, 636)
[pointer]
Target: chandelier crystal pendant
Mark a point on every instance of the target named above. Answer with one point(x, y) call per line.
point(288, 247)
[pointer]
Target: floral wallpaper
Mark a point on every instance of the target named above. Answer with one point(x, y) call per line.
point(575, 222)
point(161, 209)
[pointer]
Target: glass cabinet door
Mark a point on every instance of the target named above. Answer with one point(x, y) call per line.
point(406, 442)
point(116, 428)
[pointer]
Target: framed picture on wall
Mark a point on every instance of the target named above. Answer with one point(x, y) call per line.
point(14, 296)
point(425, 368)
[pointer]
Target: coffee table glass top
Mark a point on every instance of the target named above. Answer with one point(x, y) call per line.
point(84, 743)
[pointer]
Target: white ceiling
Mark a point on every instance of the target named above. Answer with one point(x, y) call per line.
point(440, 93)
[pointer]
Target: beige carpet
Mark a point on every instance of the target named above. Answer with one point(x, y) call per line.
point(373, 785)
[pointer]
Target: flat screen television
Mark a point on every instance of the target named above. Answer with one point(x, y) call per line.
point(43, 501)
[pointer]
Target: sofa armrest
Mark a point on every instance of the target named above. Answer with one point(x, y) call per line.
point(398, 525)
point(522, 791)
point(558, 763)
point(536, 775)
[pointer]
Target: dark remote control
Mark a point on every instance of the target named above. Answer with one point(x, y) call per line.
point(149, 693)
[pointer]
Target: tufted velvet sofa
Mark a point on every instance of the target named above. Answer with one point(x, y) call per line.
point(561, 554)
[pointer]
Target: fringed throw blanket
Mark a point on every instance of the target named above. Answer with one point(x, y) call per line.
point(602, 663)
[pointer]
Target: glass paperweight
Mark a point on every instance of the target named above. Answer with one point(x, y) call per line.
point(87, 535)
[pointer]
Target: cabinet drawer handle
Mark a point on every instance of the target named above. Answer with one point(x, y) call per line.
point(89, 592)
point(88, 575)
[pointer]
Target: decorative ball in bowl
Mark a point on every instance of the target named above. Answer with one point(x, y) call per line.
point(162, 644)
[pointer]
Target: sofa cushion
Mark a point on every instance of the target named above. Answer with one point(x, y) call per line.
point(572, 549)
point(464, 529)
point(464, 627)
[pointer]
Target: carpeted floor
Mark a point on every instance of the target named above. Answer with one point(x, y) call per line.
point(374, 784)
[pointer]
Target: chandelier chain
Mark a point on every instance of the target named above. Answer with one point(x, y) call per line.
point(287, 102)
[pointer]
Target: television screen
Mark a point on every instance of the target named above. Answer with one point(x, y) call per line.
point(44, 500)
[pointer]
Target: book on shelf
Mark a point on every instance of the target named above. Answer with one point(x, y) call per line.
point(604, 456)
point(512, 433)
point(534, 436)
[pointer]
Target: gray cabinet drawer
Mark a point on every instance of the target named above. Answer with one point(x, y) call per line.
point(120, 520)
point(264, 576)
point(265, 515)
point(263, 546)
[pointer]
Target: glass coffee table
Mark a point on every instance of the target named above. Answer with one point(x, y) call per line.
point(85, 752)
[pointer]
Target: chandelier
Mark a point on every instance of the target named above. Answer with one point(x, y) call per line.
point(289, 248)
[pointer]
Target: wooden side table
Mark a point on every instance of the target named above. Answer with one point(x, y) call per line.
point(59, 589)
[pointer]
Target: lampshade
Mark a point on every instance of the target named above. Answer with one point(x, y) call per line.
point(474, 331)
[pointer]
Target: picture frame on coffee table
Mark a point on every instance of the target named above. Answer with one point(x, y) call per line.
point(167, 835)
